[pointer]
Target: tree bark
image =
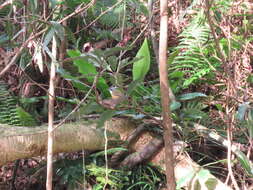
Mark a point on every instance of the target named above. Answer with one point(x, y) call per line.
point(27, 142)
point(163, 73)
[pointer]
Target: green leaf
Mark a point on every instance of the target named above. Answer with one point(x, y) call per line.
point(245, 162)
point(211, 183)
point(4, 38)
point(172, 56)
point(141, 67)
point(25, 118)
point(203, 174)
point(74, 80)
point(190, 96)
point(91, 107)
point(175, 105)
point(89, 71)
point(185, 179)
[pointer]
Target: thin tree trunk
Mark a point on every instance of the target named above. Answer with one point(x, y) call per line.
point(51, 118)
point(163, 72)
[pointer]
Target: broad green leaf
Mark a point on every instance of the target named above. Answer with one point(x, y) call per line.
point(191, 96)
point(203, 174)
point(89, 71)
point(74, 80)
point(176, 74)
point(141, 67)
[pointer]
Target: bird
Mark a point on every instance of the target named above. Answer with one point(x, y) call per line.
point(117, 96)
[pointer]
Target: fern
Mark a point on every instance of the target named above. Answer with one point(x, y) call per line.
point(10, 113)
point(194, 47)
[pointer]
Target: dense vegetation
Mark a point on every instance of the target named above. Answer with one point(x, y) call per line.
point(111, 45)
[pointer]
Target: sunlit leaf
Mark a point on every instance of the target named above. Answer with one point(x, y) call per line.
point(141, 67)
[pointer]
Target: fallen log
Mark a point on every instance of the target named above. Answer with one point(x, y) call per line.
point(26, 142)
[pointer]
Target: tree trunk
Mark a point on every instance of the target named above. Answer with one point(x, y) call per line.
point(26, 142)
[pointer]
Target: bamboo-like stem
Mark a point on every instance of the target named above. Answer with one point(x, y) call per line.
point(51, 117)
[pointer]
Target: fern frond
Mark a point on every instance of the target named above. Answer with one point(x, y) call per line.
point(193, 59)
point(10, 113)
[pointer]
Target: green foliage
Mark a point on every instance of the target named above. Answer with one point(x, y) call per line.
point(245, 118)
point(246, 164)
point(191, 60)
point(201, 179)
point(141, 67)
point(114, 177)
point(190, 96)
point(113, 17)
point(10, 113)
point(145, 177)
point(72, 173)
point(192, 111)
point(87, 68)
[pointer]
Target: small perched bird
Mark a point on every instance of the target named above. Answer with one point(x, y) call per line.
point(117, 96)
